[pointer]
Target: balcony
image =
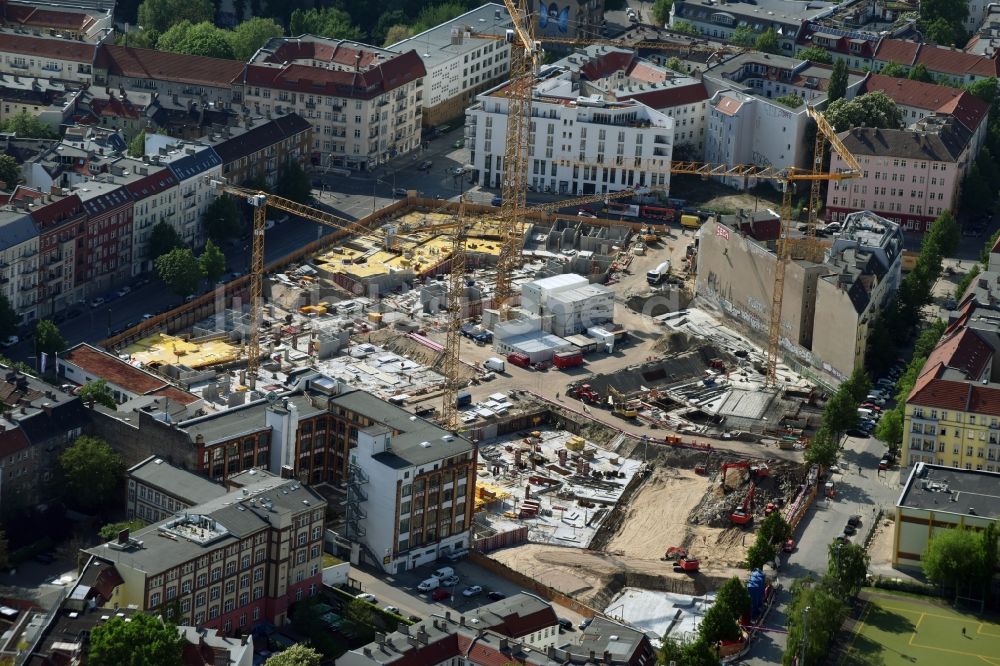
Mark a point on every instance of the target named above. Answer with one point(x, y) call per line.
point(310, 105)
point(19, 65)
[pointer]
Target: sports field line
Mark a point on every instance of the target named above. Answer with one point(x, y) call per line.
point(900, 609)
point(980, 631)
point(940, 649)
point(857, 630)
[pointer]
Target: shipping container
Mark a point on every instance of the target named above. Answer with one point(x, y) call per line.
point(627, 210)
point(519, 359)
point(564, 360)
point(463, 399)
point(657, 213)
point(690, 221)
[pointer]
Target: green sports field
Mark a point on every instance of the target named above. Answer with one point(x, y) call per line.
point(897, 630)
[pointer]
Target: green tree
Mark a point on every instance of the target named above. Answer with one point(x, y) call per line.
point(397, 33)
point(212, 262)
point(388, 20)
point(816, 54)
point(159, 15)
point(920, 73)
point(941, 32)
point(222, 219)
point(823, 448)
point(138, 38)
point(661, 12)
point(143, 641)
point(8, 318)
point(840, 414)
point(432, 15)
point(10, 171)
point(48, 339)
point(954, 556)
point(857, 386)
point(846, 568)
point(98, 392)
point(815, 616)
point(692, 653)
point(984, 89)
point(675, 64)
point(767, 42)
point(718, 624)
point(137, 146)
point(984, 255)
point(110, 531)
point(743, 36)
point(247, 37)
point(734, 596)
point(27, 126)
point(179, 270)
point(890, 428)
point(966, 280)
point(163, 239)
point(685, 28)
point(760, 553)
point(893, 69)
point(791, 100)
point(327, 22)
point(297, 655)
point(203, 39)
point(774, 529)
point(293, 183)
point(91, 472)
point(943, 21)
point(945, 231)
point(838, 82)
point(874, 109)
point(359, 612)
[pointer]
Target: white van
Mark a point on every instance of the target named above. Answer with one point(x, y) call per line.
point(429, 584)
point(495, 364)
point(444, 572)
point(865, 413)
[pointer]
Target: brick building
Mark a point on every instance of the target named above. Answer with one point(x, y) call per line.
point(260, 149)
point(62, 224)
point(107, 247)
point(158, 490)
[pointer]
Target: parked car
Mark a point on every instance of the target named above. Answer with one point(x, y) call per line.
point(457, 171)
point(586, 623)
point(97, 302)
point(449, 581)
point(147, 316)
point(399, 192)
point(425, 165)
point(439, 594)
point(564, 624)
point(496, 201)
point(391, 609)
point(883, 464)
point(496, 596)
point(849, 529)
point(366, 596)
point(854, 520)
point(459, 143)
point(124, 291)
point(472, 591)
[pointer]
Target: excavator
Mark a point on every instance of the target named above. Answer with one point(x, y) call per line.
point(628, 409)
point(683, 562)
point(744, 514)
point(757, 470)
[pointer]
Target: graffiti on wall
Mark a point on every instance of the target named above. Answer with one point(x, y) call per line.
point(551, 15)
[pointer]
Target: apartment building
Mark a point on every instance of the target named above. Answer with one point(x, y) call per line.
point(193, 165)
point(67, 60)
point(106, 254)
point(365, 103)
point(260, 148)
point(865, 272)
point(747, 125)
point(855, 47)
point(786, 17)
point(49, 101)
point(212, 82)
point(62, 230)
point(155, 194)
point(909, 176)
point(619, 74)
point(459, 65)
point(986, 37)
point(19, 261)
point(229, 563)
point(411, 485)
point(76, 158)
point(577, 145)
point(157, 490)
point(944, 64)
point(86, 22)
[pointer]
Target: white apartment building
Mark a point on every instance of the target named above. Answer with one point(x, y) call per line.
point(459, 66)
point(365, 103)
point(23, 54)
point(577, 145)
point(411, 488)
point(155, 194)
point(194, 166)
point(19, 261)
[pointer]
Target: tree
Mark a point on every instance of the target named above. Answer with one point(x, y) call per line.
point(734, 595)
point(675, 64)
point(98, 392)
point(388, 20)
point(893, 69)
point(8, 318)
point(953, 556)
point(685, 28)
point(693, 653)
point(163, 239)
point(327, 22)
point(48, 339)
point(247, 37)
point(718, 624)
point(202, 39)
point(743, 36)
point(838, 82)
point(91, 472)
point(137, 146)
point(943, 21)
point(432, 15)
point(760, 553)
point(110, 531)
point(661, 12)
point(944, 229)
point(817, 54)
point(10, 171)
point(984, 89)
point(159, 15)
point(212, 262)
point(297, 655)
point(857, 386)
point(293, 183)
point(890, 428)
point(823, 449)
point(139, 38)
point(27, 126)
point(359, 612)
point(846, 568)
point(920, 73)
point(179, 270)
point(145, 640)
point(984, 255)
point(791, 100)
point(222, 219)
point(966, 280)
point(768, 42)
point(816, 626)
point(941, 32)
point(840, 414)
point(397, 33)
point(774, 529)
point(874, 109)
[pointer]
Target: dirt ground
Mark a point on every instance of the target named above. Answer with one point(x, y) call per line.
point(709, 195)
point(880, 550)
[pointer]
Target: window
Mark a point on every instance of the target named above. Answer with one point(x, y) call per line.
point(244, 581)
point(154, 599)
point(215, 593)
point(230, 586)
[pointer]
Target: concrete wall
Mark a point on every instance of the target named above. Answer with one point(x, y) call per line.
point(336, 575)
point(838, 337)
point(915, 527)
point(142, 436)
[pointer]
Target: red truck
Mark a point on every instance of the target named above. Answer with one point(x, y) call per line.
point(563, 360)
point(519, 359)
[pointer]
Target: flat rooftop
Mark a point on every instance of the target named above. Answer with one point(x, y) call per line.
point(436, 45)
point(949, 490)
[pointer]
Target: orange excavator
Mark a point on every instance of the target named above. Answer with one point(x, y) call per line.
point(757, 470)
point(683, 562)
point(744, 514)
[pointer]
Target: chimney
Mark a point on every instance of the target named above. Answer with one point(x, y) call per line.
point(505, 644)
point(607, 656)
point(367, 651)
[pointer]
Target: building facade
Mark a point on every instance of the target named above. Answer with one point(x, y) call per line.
point(19, 261)
point(260, 149)
point(786, 17)
point(46, 57)
point(107, 256)
point(158, 490)
point(154, 193)
point(365, 103)
point(194, 166)
point(62, 230)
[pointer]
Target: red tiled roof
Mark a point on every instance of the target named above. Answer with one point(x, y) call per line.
point(48, 18)
point(515, 625)
point(114, 107)
point(984, 400)
point(57, 49)
point(114, 370)
point(964, 351)
point(647, 73)
point(161, 65)
point(342, 52)
point(432, 653)
point(53, 213)
point(955, 62)
point(607, 64)
point(665, 98)
point(929, 391)
point(897, 50)
point(966, 107)
point(12, 441)
point(367, 84)
point(728, 106)
point(153, 184)
point(175, 394)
